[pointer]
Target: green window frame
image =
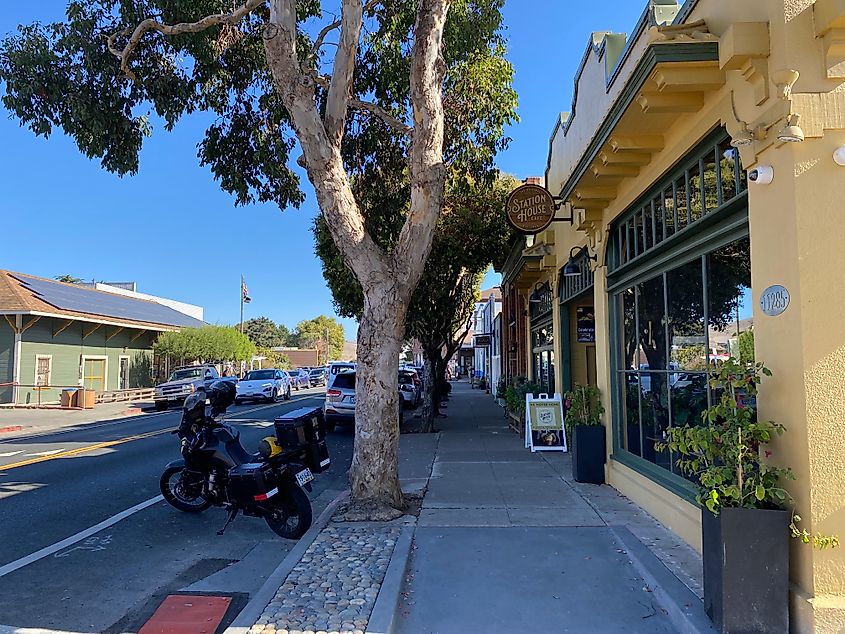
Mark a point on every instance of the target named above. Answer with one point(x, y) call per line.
point(634, 259)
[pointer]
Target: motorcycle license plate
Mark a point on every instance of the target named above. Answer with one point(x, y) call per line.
point(304, 477)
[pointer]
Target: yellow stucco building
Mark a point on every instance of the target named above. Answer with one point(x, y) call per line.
point(703, 162)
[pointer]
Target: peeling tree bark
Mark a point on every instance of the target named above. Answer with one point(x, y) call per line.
point(388, 279)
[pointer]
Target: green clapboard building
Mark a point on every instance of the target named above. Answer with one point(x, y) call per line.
point(55, 336)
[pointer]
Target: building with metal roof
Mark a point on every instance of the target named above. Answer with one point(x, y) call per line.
point(55, 335)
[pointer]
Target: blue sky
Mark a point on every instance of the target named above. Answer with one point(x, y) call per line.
point(173, 231)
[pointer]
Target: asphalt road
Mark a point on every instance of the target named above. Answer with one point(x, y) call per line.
point(57, 485)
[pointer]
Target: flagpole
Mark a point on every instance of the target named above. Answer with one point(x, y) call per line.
point(242, 304)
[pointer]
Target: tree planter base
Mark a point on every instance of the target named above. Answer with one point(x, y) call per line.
point(588, 453)
point(746, 570)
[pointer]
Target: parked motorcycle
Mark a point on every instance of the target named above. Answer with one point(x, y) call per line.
point(215, 469)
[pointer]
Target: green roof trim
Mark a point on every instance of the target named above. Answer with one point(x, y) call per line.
point(654, 55)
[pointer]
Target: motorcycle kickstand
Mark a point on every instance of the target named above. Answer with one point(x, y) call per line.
point(233, 512)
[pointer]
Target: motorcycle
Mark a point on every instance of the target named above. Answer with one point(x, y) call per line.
point(216, 470)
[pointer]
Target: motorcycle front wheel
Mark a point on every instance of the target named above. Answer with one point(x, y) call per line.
point(290, 516)
point(181, 494)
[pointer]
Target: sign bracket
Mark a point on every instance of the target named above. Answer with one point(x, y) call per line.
point(560, 202)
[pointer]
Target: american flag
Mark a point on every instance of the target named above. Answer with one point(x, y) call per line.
point(244, 291)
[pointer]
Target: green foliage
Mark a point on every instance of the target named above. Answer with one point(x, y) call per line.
point(482, 383)
point(63, 76)
point(206, 344)
point(264, 332)
point(68, 279)
point(273, 359)
point(515, 395)
point(583, 406)
point(727, 455)
point(746, 346)
point(724, 453)
point(313, 333)
point(692, 358)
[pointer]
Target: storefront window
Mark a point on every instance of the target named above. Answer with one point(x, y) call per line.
point(704, 183)
point(665, 348)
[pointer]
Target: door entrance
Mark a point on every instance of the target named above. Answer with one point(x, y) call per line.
point(123, 374)
point(94, 374)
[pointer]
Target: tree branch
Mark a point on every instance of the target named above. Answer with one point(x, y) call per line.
point(321, 36)
point(352, 18)
point(151, 24)
point(397, 125)
point(427, 169)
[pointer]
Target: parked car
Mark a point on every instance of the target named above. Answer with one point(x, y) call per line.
point(339, 407)
point(410, 387)
point(267, 385)
point(317, 377)
point(298, 379)
point(185, 381)
point(335, 367)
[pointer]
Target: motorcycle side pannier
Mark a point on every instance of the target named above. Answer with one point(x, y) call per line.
point(305, 429)
point(252, 481)
point(301, 426)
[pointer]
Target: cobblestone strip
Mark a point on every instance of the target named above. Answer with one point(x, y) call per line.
point(334, 586)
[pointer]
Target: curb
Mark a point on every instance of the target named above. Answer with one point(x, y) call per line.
point(684, 609)
point(383, 617)
point(10, 428)
point(252, 611)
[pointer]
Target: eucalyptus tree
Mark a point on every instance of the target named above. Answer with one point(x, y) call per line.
point(470, 235)
point(263, 68)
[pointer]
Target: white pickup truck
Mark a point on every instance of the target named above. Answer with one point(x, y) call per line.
point(186, 381)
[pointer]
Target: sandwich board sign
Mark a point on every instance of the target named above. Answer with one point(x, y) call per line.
point(544, 423)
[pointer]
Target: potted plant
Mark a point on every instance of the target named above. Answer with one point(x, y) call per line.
point(745, 525)
point(586, 433)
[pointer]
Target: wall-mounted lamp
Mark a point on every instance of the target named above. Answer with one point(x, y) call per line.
point(572, 268)
point(539, 290)
point(743, 138)
point(791, 132)
point(839, 155)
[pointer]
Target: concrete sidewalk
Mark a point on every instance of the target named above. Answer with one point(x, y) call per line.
point(505, 541)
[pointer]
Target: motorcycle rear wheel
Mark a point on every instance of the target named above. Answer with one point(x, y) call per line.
point(178, 495)
point(290, 516)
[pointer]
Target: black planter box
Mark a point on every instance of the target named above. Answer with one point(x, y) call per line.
point(746, 570)
point(588, 453)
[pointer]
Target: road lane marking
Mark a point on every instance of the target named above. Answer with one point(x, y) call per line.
point(85, 449)
point(73, 539)
point(46, 453)
point(59, 453)
point(9, 454)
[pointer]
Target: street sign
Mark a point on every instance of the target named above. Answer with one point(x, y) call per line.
point(481, 341)
point(544, 423)
point(530, 209)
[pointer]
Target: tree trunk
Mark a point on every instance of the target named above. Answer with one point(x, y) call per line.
point(430, 405)
point(388, 279)
point(374, 475)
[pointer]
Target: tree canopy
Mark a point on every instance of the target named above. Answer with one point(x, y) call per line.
point(265, 333)
point(315, 333)
point(208, 343)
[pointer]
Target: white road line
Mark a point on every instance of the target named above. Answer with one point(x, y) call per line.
point(8, 454)
point(70, 541)
point(45, 453)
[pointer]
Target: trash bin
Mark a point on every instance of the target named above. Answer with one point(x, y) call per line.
point(69, 397)
point(87, 399)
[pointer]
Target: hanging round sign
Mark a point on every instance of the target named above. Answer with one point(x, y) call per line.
point(530, 209)
point(774, 300)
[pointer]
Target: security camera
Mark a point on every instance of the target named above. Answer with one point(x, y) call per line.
point(762, 175)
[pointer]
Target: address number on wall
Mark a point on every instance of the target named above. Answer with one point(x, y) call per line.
point(774, 300)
